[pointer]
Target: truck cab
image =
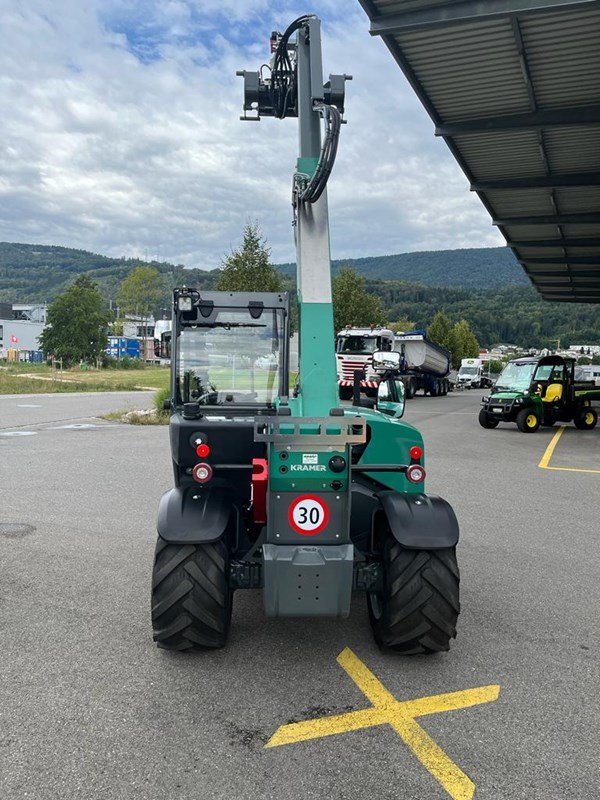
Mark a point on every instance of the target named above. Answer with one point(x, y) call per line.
point(354, 350)
point(470, 374)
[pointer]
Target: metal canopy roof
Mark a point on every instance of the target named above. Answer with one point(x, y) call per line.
point(513, 87)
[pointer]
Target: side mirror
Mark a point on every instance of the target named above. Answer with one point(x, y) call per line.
point(385, 360)
point(390, 397)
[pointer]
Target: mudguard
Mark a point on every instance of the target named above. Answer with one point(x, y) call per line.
point(420, 521)
point(193, 515)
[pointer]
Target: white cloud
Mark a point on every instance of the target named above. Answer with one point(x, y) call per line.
point(119, 133)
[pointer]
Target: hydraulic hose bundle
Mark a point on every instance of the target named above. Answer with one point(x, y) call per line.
point(308, 189)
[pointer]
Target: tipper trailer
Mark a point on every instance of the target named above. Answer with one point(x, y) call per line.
point(278, 487)
point(425, 365)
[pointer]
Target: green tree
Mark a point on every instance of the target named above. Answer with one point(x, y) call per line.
point(141, 291)
point(440, 330)
point(248, 269)
point(77, 324)
point(352, 304)
point(401, 325)
point(463, 343)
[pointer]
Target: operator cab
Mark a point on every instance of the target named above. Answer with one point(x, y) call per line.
point(552, 377)
point(229, 350)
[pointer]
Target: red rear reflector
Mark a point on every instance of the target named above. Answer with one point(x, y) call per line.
point(416, 452)
point(202, 473)
point(203, 451)
point(415, 473)
point(260, 476)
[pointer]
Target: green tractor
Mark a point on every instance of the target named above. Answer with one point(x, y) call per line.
point(540, 391)
point(279, 488)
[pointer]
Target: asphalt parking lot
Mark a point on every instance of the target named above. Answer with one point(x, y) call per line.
point(90, 708)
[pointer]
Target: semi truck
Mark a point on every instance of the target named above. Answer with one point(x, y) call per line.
point(425, 365)
point(471, 374)
point(354, 348)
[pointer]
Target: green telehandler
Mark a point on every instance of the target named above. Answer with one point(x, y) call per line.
point(282, 489)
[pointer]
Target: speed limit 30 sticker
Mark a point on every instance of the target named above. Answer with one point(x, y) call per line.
point(308, 514)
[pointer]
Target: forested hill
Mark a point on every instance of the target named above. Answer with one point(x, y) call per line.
point(497, 304)
point(476, 268)
point(40, 272)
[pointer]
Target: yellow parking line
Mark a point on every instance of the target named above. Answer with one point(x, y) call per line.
point(400, 716)
point(545, 460)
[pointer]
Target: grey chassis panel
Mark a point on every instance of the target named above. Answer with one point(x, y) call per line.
point(308, 580)
point(194, 515)
point(420, 521)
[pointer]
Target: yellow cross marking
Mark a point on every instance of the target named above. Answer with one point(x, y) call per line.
point(386, 710)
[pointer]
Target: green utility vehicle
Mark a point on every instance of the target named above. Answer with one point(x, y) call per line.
point(540, 391)
point(279, 488)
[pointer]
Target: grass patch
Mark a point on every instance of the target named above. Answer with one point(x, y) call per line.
point(40, 379)
point(137, 417)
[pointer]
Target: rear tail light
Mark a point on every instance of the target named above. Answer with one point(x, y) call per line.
point(202, 473)
point(415, 473)
point(416, 453)
point(203, 451)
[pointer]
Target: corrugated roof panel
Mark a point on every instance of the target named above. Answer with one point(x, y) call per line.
point(563, 51)
point(495, 155)
point(513, 202)
point(459, 68)
point(574, 149)
point(522, 232)
point(583, 198)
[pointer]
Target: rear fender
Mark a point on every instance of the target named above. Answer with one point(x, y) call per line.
point(193, 515)
point(420, 521)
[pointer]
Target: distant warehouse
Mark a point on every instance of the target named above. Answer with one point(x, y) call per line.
point(20, 330)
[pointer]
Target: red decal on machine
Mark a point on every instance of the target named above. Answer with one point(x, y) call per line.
point(308, 514)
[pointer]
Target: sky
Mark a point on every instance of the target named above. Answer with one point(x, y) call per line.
point(120, 134)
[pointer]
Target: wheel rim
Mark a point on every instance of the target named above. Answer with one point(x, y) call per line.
point(589, 418)
point(531, 421)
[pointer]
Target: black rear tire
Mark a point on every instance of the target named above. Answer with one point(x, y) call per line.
point(527, 421)
point(586, 419)
point(486, 421)
point(417, 611)
point(191, 597)
point(409, 389)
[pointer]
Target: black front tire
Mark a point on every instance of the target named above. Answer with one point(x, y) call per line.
point(409, 389)
point(586, 419)
point(486, 421)
point(191, 597)
point(527, 421)
point(346, 393)
point(417, 610)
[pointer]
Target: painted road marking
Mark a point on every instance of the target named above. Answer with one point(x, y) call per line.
point(400, 715)
point(545, 460)
point(19, 433)
point(27, 405)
